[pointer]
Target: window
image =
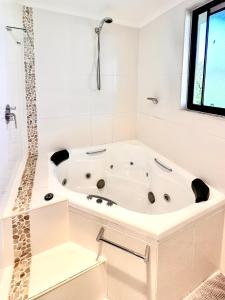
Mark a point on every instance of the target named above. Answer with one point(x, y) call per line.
point(206, 90)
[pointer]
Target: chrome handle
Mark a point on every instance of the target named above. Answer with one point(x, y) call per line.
point(13, 118)
point(163, 166)
point(154, 100)
point(9, 116)
point(145, 257)
point(95, 152)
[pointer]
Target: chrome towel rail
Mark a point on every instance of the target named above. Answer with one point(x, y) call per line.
point(145, 257)
point(163, 166)
point(96, 152)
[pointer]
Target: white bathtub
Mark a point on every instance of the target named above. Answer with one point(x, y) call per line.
point(130, 172)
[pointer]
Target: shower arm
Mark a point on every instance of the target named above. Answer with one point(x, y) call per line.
point(10, 28)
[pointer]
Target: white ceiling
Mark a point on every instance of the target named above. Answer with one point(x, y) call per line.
point(135, 13)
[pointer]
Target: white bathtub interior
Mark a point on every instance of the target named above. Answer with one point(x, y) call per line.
point(130, 174)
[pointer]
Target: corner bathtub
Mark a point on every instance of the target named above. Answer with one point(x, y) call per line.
point(147, 192)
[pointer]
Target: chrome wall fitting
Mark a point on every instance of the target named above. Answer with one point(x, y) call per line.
point(9, 116)
point(154, 100)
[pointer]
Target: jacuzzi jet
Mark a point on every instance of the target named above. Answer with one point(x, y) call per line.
point(99, 200)
point(49, 197)
point(151, 197)
point(64, 182)
point(88, 175)
point(100, 184)
point(167, 197)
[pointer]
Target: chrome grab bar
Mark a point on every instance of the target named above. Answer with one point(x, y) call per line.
point(163, 166)
point(145, 257)
point(95, 152)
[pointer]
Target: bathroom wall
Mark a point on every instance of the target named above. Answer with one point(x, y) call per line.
point(193, 140)
point(71, 112)
point(12, 144)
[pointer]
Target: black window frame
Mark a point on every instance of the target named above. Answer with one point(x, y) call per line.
point(192, 62)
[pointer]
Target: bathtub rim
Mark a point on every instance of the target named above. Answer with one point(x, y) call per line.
point(156, 226)
point(152, 226)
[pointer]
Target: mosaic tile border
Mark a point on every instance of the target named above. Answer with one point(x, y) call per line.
point(21, 231)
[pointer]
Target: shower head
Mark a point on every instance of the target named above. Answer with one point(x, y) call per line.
point(107, 20)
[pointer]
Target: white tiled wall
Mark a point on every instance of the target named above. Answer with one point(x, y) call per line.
point(193, 140)
point(49, 227)
point(71, 112)
point(12, 144)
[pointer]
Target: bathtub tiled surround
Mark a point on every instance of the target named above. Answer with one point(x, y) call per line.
point(178, 264)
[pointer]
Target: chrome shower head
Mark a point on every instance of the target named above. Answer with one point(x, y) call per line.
point(107, 20)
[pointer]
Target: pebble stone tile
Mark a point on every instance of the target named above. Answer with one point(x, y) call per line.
point(19, 287)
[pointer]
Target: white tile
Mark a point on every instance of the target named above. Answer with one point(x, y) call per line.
point(102, 101)
point(208, 236)
point(123, 127)
point(12, 93)
point(125, 97)
point(83, 234)
point(101, 128)
point(175, 268)
point(49, 227)
point(66, 132)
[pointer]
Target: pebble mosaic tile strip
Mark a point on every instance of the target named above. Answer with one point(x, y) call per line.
point(22, 202)
point(19, 286)
point(22, 258)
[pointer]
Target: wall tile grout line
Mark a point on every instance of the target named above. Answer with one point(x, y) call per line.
point(19, 287)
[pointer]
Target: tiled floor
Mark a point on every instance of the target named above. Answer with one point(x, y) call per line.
point(211, 289)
